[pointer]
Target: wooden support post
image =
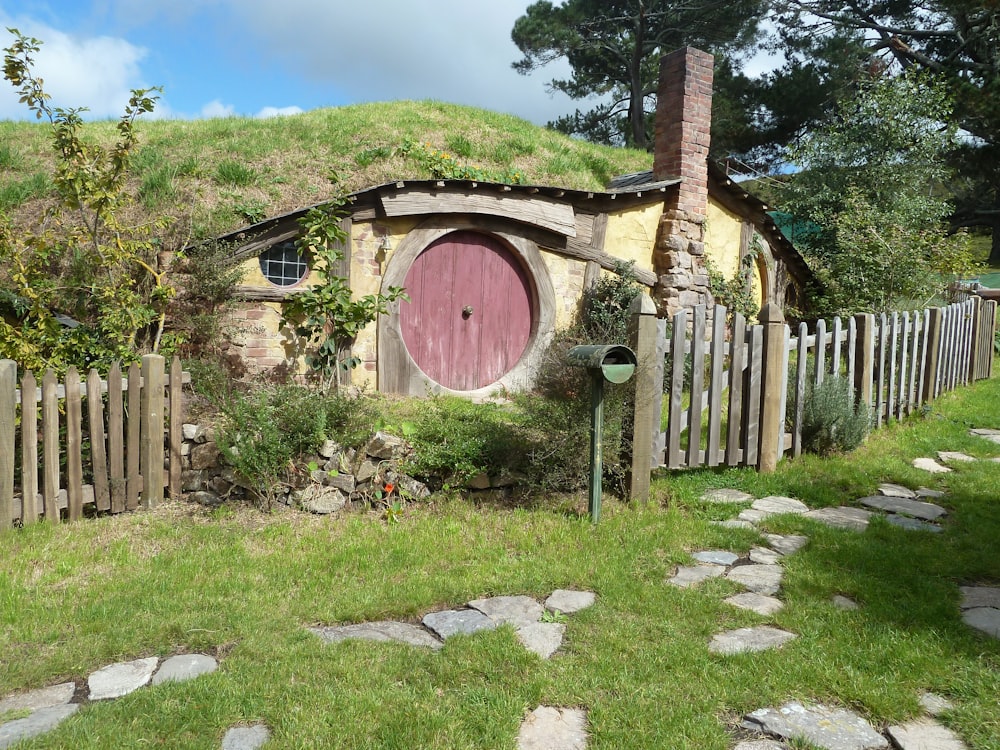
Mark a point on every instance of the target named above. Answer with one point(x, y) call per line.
point(929, 386)
point(772, 386)
point(643, 331)
point(864, 358)
point(8, 408)
point(151, 429)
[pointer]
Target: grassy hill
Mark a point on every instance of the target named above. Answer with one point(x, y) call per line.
point(212, 176)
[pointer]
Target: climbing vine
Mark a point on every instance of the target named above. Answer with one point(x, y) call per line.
point(736, 294)
point(326, 317)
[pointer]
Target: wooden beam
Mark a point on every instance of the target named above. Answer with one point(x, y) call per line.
point(547, 214)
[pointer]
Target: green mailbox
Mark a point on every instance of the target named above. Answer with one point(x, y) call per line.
point(609, 363)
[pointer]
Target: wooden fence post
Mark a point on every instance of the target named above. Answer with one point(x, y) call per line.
point(8, 408)
point(772, 387)
point(151, 430)
point(929, 386)
point(643, 332)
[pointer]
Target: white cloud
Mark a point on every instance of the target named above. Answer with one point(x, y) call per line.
point(215, 108)
point(97, 73)
point(267, 112)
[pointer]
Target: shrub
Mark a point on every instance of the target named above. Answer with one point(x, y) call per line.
point(832, 418)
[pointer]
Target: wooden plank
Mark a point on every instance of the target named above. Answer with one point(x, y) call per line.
point(713, 448)
point(50, 447)
point(29, 449)
point(926, 343)
point(151, 431)
point(915, 337)
point(835, 335)
point(74, 444)
point(660, 437)
point(8, 431)
point(902, 391)
point(734, 429)
point(554, 216)
point(881, 343)
point(820, 352)
point(773, 382)
point(697, 386)
point(852, 351)
point(751, 396)
point(116, 439)
point(176, 437)
point(677, 336)
point(642, 337)
point(133, 480)
point(892, 397)
point(98, 450)
point(800, 390)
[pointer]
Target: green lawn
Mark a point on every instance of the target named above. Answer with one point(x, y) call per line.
point(241, 585)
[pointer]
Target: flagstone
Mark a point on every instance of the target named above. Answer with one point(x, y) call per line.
point(54, 695)
point(688, 576)
point(909, 507)
point(925, 734)
point(895, 490)
point(549, 728)
point(716, 557)
point(935, 704)
point(843, 602)
point(912, 524)
point(745, 640)
point(824, 727)
point(122, 678)
point(451, 622)
point(929, 464)
point(246, 738)
point(759, 603)
point(568, 601)
point(734, 523)
point(38, 722)
point(955, 456)
point(854, 519)
point(980, 596)
point(514, 610)
point(761, 579)
point(765, 556)
point(726, 496)
point(786, 544)
point(777, 504)
point(542, 638)
point(183, 667)
point(385, 630)
point(985, 619)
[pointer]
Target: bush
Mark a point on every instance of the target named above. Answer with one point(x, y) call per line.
point(832, 418)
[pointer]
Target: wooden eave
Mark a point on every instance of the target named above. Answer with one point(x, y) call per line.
point(742, 203)
point(551, 209)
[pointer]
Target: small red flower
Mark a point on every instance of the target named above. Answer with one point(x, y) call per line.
point(389, 487)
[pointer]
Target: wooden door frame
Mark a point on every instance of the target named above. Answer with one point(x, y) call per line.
point(398, 373)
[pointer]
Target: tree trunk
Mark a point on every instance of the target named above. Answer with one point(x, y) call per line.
point(636, 115)
point(994, 260)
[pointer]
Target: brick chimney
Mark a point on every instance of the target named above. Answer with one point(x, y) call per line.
point(683, 131)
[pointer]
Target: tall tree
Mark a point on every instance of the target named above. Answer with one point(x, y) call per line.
point(613, 48)
point(958, 40)
point(873, 231)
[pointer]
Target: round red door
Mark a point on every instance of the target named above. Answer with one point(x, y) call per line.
point(470, 312)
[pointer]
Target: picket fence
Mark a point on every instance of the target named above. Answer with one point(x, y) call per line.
point(114, 461)
point(727, 384)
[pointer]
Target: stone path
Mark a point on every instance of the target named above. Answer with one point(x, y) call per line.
point(50, 706)
point(827, 727)
point(539, 628)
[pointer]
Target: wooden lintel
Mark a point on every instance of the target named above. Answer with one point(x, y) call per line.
point(540, 212)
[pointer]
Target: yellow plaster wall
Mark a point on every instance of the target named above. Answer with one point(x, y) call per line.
point(722, 238)
point(567, 276)
point(723, 230)
point(631, 234)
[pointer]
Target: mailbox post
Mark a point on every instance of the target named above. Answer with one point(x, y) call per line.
point(605, 363)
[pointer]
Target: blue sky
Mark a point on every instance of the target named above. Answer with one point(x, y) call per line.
point(261, 57)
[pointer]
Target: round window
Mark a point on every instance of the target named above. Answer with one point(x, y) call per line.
point(283, 264)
